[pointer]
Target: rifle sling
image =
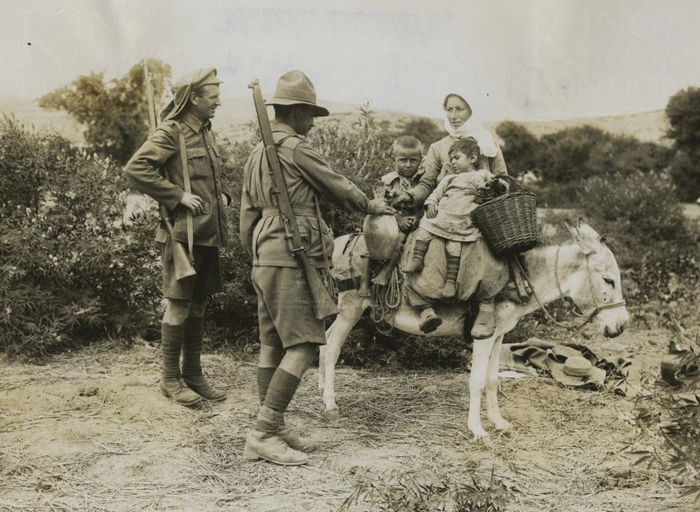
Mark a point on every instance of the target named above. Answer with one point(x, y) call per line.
point(282, 194)
point(188, 189)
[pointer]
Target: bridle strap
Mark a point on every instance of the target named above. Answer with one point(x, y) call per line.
point(598, 307)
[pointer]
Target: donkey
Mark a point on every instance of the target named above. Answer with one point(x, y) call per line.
point(584, 271)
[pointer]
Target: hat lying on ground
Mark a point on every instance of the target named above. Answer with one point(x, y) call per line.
point(295, 88)
point(577, 371)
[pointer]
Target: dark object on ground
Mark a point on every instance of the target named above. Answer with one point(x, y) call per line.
point(679, 364)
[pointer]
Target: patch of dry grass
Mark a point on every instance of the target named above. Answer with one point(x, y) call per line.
point(127, 448)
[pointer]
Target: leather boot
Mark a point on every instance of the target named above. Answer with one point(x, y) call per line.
point(485, 323)
point(171, 384)
point(191, 362)
point(264, 443)
point(429, 321)
point(295, 441)
point(179, 392)
point(199, 385)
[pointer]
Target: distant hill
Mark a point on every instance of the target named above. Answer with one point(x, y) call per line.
point(32, 116)
point(646, 126)
point(235, 114)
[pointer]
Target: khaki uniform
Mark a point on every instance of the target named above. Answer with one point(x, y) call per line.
point(210, 231)
point(285, 307)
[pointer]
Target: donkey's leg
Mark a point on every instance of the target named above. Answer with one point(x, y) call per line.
point(477, 383)
point(492, 411)
point(322, 360)
point(351, 306)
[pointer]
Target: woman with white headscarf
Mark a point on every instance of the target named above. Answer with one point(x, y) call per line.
point(460, 122)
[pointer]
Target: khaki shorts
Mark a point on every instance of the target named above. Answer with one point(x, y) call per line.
point(198, 287)
point(285, 308)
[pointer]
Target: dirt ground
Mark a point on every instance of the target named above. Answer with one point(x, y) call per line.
point(89, 431)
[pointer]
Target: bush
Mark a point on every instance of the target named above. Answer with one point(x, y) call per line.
point(521, 149)
point(570, 157)
point(115, 113)
point(69, 270)
point(648, 233)
point(683, 114)
point(423, 128)
point(685, 171)
point(362, 154)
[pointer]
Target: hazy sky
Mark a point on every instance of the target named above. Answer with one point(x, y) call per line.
point(518, 59)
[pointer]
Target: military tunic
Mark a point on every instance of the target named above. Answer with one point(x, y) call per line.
point(285, 306)
point(162, 150)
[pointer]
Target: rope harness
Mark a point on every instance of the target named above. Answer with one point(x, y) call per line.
point(598, 305)
point(385, 301)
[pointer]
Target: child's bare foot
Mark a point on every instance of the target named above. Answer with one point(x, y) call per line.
point(365, 290)
point(382, 279)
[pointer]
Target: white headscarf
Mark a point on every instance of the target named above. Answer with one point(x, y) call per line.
point(473, 128)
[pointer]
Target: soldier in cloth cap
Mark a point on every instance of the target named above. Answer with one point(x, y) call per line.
point(289, 330)
point(195, 103)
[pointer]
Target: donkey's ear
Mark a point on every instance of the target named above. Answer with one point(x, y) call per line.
point(581, 222)
point(572, 229)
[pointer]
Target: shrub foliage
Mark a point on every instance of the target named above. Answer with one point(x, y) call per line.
point(69, 269)
point(115, 113)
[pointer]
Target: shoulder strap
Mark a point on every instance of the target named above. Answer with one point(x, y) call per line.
point(188, 189)
point(293, 139)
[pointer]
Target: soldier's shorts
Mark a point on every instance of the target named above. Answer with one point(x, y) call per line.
point(198, 287)
point(286, 308)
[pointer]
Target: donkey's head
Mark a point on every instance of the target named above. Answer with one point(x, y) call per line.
point(593, 281)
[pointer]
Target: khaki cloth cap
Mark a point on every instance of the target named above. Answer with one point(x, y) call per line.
point(295, 88)
point(182, 89)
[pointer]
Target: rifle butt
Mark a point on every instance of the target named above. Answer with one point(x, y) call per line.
point(324, 305)
point(181, 262)
point(181, 259)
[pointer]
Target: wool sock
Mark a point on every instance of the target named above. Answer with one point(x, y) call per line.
point(452, 268)
point(264, 377)
point(171, 340)
point(282, 387)
point(192, 347)
point(419, 250)
point(280, 392)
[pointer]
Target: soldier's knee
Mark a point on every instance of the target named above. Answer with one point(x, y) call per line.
point(197, 307)
point(176, 311)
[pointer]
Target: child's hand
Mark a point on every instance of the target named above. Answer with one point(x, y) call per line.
point(405, 223)
point(431, 211)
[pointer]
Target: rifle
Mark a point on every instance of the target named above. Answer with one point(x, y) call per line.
point(324, 305)
point(181, 260)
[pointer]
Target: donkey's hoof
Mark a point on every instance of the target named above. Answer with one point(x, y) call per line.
point(503, 425)
point(480, 434)
point(332, 414)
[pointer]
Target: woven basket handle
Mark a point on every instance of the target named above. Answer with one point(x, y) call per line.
point(514, 184)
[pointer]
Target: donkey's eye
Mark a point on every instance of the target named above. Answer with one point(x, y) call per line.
point(609, 281)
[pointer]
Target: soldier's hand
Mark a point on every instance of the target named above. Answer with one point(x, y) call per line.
point(431, 211)
point(404, 198)
point(380, 207)
point(193, 202)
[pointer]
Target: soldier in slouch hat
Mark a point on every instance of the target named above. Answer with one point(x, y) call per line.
point(182, 153)
point(290, 333)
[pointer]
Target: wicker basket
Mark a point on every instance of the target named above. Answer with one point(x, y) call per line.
point(509, 222)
